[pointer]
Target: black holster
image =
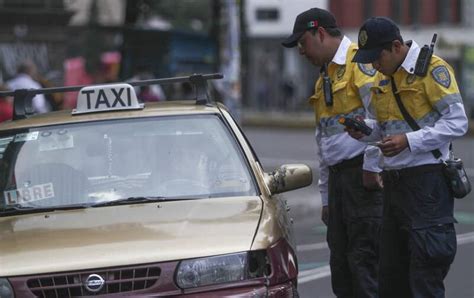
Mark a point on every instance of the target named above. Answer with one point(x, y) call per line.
point(457, 178)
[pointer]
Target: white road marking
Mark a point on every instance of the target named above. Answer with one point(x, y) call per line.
point(313, 274)
point(312, 246)
point(322, 272)
point(465, 238)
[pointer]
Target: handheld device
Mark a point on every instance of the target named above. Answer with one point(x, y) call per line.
point(356, 124)
point(327, 88)
point(424, 58)
point(327, 91)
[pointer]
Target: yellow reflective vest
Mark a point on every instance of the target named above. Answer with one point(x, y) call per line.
point(424, 98)
point(350, 84)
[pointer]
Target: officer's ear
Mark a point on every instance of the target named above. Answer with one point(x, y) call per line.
point(316, 33)
point(397, 46)
point(321, 33)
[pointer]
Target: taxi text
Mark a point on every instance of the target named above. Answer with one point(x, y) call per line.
point(108, 102)
point(102, 98)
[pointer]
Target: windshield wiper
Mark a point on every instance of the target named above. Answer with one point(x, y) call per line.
point(17, 207)
point(21, 209)
point(130, 200)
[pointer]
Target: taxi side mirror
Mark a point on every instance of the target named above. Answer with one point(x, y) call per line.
point(289, 177)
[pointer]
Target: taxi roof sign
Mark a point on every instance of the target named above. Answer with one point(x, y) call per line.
point(110, 97)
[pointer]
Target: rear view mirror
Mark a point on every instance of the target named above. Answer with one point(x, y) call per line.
point(289, 177)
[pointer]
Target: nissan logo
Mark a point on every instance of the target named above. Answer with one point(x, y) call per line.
point(94, 283)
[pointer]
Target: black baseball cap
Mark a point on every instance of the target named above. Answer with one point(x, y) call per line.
point(374, 34)
point(312, 18)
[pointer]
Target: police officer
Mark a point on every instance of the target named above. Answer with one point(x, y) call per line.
point(418, 237)
point(351, 209)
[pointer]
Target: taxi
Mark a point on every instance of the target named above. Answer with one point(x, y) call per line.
point(118, 198)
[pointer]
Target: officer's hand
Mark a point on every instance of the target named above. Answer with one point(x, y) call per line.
point(372, 180)
point(393, 145)
point(356, 134)
point(325, 215)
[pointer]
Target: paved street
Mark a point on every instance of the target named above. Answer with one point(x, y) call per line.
point(279, 146)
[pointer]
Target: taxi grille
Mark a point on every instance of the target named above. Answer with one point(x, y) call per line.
point(116, 281)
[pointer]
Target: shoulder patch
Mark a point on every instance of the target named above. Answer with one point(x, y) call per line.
point(367, 69)
point(441, 75)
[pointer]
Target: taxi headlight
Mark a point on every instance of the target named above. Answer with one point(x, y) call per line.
point(6, 290)
point(212, 270)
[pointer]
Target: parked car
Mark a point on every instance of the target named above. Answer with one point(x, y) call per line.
point(120, 198)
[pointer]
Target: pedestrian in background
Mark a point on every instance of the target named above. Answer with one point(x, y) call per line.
point(6, 106)
point(146, 93)
point(418, 237)
point(24, 79)
point(349, 182)
point(55, 100)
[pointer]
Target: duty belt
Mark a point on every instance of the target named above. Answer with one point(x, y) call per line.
point(394, 175)
point(348, 163)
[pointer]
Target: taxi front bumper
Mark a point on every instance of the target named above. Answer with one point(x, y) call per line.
point(158, 280)
point(285, 290)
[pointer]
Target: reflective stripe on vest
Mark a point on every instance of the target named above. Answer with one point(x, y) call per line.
point(330, 126)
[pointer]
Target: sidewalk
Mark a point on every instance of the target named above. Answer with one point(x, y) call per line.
point(292, 120)
point(278, 119)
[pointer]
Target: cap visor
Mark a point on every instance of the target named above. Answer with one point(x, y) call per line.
point(292, 40)
point(366, 56)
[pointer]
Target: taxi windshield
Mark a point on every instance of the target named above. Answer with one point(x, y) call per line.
point(176, 157)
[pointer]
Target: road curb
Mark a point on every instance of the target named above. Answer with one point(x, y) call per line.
point(278, 119)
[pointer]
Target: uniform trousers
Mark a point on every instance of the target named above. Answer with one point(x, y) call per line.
point(353, 231)
point(418, 241)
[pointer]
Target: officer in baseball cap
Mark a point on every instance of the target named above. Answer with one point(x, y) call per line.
point(349, 183)
point(415, 113)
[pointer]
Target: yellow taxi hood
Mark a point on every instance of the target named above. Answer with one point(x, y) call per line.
point(125, 235)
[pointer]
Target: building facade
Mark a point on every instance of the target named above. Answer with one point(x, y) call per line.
point(270, 66)
point(32, 29)
point(275, 78)
point(419, 20)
